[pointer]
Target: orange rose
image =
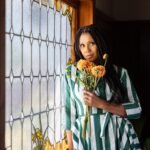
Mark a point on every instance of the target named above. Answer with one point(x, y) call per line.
point(85, 65)
point(98, 71)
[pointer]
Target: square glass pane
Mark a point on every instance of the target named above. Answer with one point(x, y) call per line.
point(27, 134)
point(57, 126)
point(16, 56)
point(57, 91)
point(8, 14)
point(16, 135)
point(35, 19)
point(51, 88)
point(27, 17)
point(63, 58)
point(35, 95)
point(8, 99)
point(43, 54)
point(68, 32)
point(8, 54)
point(27, 96)
point(26, 57)
point(16, 97)
point(51, 24)
point(57, 59)
point(57, 26)
point(43, 22)
point(43, 94)
point(17, 15)
point(63, 28)
point(51, 59)
point(35, 58)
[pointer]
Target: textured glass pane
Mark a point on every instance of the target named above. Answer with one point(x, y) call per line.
point(43, 22)
point(68, 32)
point(57, 125)
point(44, 122)
point(8, 14)
point(63, 58)
point(26, 96)
point(51, 3)
point(35, 19)
point(63, 29)
point(16, 136)
point(16, 56)
point(51, 24)
point(51, 126)
point(51, 59)
point(57, 27)
point(17, 15)
point(8, 99)
point(26, 57)
point(51, 92)
point(43, 58)
point(43, 94)
point(69, 52)
point(35, 95)
point(35, 57)
point(8, 54)
point(57, 91)
point(16, 97)
point(57, 59)
point(27, 134)
point(7, 136)
point(27, 17)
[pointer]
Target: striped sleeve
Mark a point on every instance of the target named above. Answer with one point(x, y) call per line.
point(69, 104)
point(133, 107)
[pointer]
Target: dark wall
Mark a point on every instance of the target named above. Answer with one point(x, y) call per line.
point(131, 49)
point(129, 43)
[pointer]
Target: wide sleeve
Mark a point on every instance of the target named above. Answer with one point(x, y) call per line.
point(133, 107)
point(69, 113)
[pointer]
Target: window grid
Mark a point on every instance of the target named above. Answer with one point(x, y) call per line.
point(20, 80)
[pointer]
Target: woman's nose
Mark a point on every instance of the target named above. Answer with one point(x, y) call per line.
point(87, 48)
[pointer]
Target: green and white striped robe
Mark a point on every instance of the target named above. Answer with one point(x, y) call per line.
point(108, 131)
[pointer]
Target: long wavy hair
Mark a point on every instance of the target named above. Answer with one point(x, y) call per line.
point(111, 77)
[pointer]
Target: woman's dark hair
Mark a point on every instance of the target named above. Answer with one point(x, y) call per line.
point(112, 77)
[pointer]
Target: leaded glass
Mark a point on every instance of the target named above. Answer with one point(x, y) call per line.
point(38, 45)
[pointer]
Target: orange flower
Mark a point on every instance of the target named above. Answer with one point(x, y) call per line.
point(85, 65)
point(98, 71)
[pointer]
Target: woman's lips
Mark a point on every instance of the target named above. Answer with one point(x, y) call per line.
point(89, 56)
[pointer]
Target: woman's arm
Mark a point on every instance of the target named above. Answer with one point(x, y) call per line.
point(69, 139)
point(93, 100)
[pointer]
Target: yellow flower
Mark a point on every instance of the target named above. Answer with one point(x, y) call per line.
point(85, 65)
point(98, 71)
point(105, 56)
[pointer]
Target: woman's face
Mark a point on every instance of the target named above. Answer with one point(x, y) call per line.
point(88, 47)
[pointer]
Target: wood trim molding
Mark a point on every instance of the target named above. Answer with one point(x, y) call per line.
point(86, 12)
point(2, 75)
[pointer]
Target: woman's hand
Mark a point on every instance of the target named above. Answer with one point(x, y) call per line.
point(91, 99)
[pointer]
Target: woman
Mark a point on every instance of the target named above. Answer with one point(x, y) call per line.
point(112, 104)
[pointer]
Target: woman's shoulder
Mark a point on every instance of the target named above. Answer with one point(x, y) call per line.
point(70, 67)
point(119, 68)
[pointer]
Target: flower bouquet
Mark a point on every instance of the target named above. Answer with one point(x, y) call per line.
point(91, 74)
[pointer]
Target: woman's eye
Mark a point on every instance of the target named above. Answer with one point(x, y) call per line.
point(81, 45)
point(92, 43)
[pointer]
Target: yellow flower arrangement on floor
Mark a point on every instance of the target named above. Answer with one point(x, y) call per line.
point(91, 74)
point(41, 142)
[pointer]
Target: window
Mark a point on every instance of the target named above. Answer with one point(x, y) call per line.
point(38, 44)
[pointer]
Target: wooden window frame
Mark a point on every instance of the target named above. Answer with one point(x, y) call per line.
point(83, 17)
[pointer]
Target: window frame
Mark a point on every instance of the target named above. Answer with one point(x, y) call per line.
point(82, 17)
